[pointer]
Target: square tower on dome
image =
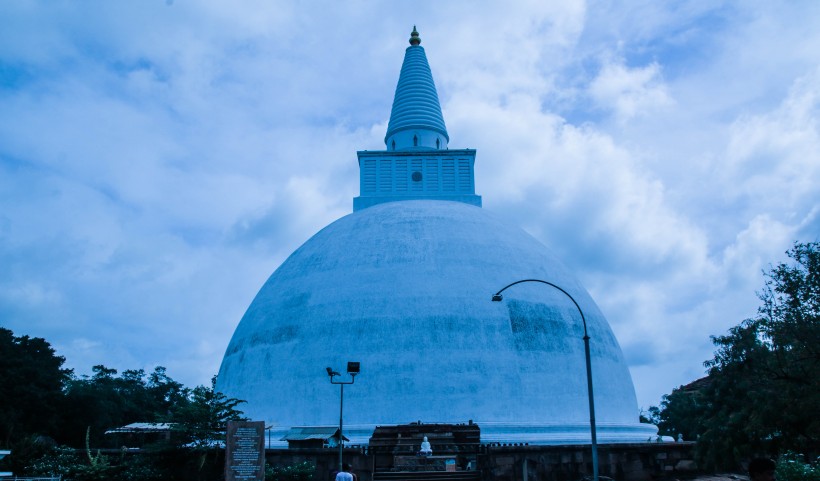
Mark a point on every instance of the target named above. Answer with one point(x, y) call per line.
point(386, 176)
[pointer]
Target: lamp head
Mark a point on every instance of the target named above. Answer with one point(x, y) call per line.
point(497, 297)
point(331, 372)
point(353, 368)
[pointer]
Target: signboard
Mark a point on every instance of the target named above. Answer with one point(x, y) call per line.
point(245, 451)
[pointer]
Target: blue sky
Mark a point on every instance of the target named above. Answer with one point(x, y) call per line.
point(159, 159)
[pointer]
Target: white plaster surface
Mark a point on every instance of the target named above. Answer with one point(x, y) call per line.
point(405, 288)
point(416, 110)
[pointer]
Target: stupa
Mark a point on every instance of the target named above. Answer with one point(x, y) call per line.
point(403, 285)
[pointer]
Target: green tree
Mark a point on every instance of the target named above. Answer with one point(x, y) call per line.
point(165, 394)
point(681, 412)
point(31, 386)
point(200, 423)
point(762, 392)
point(203, 418)
point(105, 400)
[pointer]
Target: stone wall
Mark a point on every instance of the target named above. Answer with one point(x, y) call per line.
point(622, 462)
point(326, 461)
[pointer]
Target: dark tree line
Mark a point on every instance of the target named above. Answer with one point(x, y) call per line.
point(38, 397)
point(761, 396)
point(32, 379)
point(44, 406)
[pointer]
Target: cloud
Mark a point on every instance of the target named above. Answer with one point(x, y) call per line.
point(151, 179)
point(630, 92)
point(778, 152)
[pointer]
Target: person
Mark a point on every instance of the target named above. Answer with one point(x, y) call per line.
point(344, 474)
point(762, 469)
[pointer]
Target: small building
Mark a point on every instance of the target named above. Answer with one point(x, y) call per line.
point(308, 437)
point(137, 435)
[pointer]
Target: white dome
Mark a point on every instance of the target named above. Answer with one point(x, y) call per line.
point(405, 288)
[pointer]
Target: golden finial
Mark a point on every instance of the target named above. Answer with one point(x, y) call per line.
point(414, 37)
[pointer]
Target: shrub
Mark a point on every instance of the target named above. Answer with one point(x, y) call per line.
point(303, 471)
point(790, 467)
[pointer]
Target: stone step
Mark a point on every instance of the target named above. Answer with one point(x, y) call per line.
point(426, 476)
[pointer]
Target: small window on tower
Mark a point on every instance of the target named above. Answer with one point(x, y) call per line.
point(394, 145)
point(438, 144)
point(415, 141)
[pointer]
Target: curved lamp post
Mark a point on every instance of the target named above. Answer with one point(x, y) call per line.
point(352, 369)
point(497, 297)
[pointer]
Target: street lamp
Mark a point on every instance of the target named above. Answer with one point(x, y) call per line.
point(352, 369)
point(497, 297)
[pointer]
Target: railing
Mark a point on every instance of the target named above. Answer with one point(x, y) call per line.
point(31, 478)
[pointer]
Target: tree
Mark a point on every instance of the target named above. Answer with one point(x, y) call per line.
point(105, 401)
point(165, 393)
point(203, 419)
point(681, 411)
point(762, 392)
point(31, 386)
point(200, 423)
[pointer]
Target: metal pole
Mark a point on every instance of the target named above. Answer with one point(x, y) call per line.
point(591, 409)
point(593, 435)
point(352, 369)
point(341, 436)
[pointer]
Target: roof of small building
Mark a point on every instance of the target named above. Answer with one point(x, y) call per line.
point(305, 433)
point(142, 428)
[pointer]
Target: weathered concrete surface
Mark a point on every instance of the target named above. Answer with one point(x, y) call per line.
point(405, 288)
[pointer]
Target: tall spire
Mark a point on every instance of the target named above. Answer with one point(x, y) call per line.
point(417, 164)
point(416, 121)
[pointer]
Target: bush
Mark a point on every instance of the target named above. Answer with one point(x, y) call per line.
point(58, 461)
point(303, 471)
point(790, 467)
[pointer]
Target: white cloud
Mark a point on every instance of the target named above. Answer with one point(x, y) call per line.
point(30, 295)
point(152, 178)
point(778, 152)
point(630, 92)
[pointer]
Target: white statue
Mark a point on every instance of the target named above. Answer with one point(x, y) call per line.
point(425, 450)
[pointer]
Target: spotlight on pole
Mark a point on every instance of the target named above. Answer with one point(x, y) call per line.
point(353, 368)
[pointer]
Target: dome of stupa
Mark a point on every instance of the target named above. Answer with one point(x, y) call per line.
point(403, 286)
point(405, 289)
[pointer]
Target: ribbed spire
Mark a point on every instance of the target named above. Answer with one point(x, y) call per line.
point(416, 120)
point(417, 164)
